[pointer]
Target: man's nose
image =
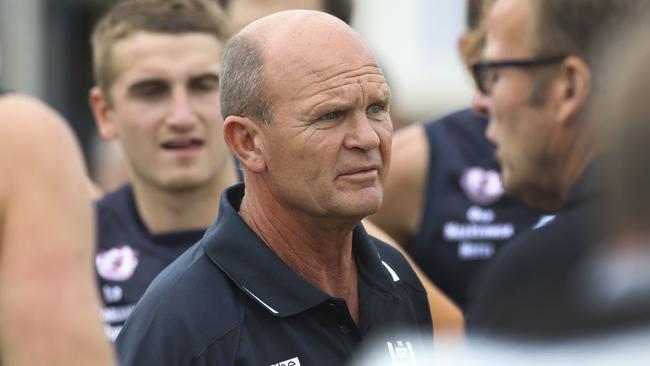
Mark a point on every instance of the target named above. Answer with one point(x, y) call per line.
point(181, 114)
point(362, 134)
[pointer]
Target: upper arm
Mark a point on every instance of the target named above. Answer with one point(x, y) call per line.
point(404, 188)
point(49, 307)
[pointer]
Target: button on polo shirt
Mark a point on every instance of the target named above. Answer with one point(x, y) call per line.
point(230, 300)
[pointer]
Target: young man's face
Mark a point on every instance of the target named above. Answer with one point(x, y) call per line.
point(328, 145)
point(165, 108)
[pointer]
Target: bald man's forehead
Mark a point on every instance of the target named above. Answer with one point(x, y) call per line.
point(291, 23)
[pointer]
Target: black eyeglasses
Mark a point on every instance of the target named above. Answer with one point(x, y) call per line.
point(484, 74)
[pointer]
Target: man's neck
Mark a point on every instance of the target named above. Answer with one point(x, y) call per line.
point(321, 255)
point(164, 211)
point(578, 149)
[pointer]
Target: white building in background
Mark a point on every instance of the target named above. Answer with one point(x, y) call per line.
point(417, 44)
point(22, 60)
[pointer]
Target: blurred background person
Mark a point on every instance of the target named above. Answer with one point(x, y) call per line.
point(612, 284)
point(49, 308)
point(444, 201)
point(539, 83)
point(157, 93)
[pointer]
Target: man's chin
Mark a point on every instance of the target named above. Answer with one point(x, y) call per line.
point(366, 206)
point(183, 183)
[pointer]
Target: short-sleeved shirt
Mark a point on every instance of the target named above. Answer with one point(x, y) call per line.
point(230, 300)
point(128, 256)
point(466, 217)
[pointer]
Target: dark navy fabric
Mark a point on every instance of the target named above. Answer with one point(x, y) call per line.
point(529, 290)
point(459, 233)
point(128, 256)
point(230, 300)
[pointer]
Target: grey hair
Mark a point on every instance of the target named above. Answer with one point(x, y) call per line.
point(242, 86)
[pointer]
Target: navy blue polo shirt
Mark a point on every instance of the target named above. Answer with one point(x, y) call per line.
point(229, 300)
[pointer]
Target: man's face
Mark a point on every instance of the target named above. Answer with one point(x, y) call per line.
point(166, 110)
point(328, 145)
point(524, 133)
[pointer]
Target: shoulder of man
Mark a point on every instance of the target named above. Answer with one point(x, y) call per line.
point(176, 320)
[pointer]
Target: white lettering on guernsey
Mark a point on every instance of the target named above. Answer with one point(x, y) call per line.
point(292, 362)
point(112, 331)
point(480, 215)
point(113, 314)
point(472, 250)
point(112, 293)
point(454, 231)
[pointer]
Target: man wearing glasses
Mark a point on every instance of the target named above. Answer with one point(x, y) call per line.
point(536, 78)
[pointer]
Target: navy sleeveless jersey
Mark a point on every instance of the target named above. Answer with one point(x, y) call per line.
point(466, 216)
point(128, 256)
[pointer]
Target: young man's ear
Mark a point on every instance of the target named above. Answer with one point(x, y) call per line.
point(103, 114)
point(242, 135)
point(574, 88)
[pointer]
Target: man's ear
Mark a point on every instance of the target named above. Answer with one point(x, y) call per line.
point(243, 137)
point(574, 88)
point(103, 113)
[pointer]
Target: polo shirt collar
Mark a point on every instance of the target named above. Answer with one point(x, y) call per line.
point(235, 248)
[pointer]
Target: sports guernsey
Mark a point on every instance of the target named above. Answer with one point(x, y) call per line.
point(128, 256)
point(466, 216)
point(230, 300)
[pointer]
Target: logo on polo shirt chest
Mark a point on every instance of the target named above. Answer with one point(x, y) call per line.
point(292, 362)
point(401, 353)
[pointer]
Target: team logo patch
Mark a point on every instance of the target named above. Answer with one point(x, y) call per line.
point(117, 264)
point(482, 187)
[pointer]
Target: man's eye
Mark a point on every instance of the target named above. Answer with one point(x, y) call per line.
point(492, 76)
point(149, 90)
point(376, 108)
point(329, 116)
point(205, 84)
